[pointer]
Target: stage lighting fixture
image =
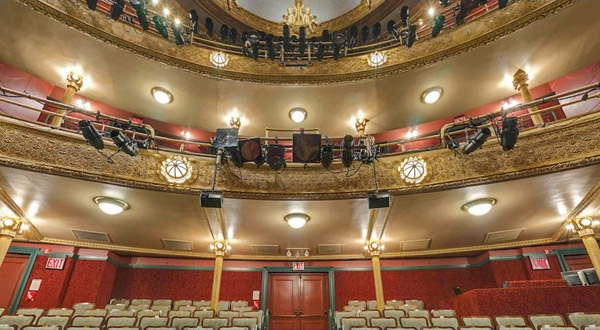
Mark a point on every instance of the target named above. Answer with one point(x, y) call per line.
point(438, 25)
point(116, 9)
point(444, 3)
point(376, 30)
point(411, 35)
point(233, 34)
point(161, 26)
point(276, 156)
point(378, 200)
point(325, 36)
point(270, 46)
point(92, 4)
point(502, 3)
point(477, 140)
point(140, 11)
point(194, 20)
point(251, 151)
point(353, 36)
point(123, 142)
point(404, 15)
point(339, 38)
point(306, 148)
point(224, 32)
point(235, 156)
point(90, 133)
point(226, 138)
point(336, 52)
point(254, 39)
point(509, 133)
point(302, 40)
point(320, 52)
point(326, 155)
point(391, 26)
point(286, 30)
point(208, 24)
point(452, 144)
point(364, 34)
point(179, 40)
point(348, 150)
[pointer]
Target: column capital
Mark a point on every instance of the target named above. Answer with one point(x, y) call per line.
point(220, 247)
point(583, 226)
point(520, 79)
point(373, 248)
point(10, 226)
point(75, 81)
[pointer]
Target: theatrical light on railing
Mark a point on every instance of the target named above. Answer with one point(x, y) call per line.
point(179, 39)
point(83, 105)
point(326, 155)
point(117, 9)
point(92, 4)
point(194, 20)
point(111, 206)
point(376, 59)
point(509, 133)
point(161, 26)
point(477, 140)
point(411, 35)
point(502, 3)
point(124, 143)
point(91, 134)
point(186, 134)
point(480, 206)
point(438, 25)
point(276, 157)
point(404, 15)
point(391, 26)
point(140, 11)
point(24, 227)
point(348, 150)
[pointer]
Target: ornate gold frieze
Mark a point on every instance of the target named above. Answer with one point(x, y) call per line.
point(558, 147)
point(196, 59)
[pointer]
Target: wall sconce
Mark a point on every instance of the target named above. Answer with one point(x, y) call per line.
point(234, 119)
point(297, 252)
point(360, 123)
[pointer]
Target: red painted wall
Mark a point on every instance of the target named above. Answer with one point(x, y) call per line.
point(54, 283)
point(91, 281)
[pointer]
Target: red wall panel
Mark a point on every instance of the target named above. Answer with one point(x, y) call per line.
point(239, 285)
point(91, 281)
point(353, 286)
point(54, 283)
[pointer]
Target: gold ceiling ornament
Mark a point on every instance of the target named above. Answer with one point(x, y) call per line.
point(10, 226)
point(220, 247)
point(376, 59)
point(75, 80)
point(413, 169)
point(300, 16)
point(177, 169)
point(583, 226)
point(373, 248)
point(219, 59)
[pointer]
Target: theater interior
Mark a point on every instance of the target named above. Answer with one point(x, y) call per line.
point(299, 164)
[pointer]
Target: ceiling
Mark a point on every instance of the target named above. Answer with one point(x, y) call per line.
point(273, 10)
point(56, 205)
point(551, 47)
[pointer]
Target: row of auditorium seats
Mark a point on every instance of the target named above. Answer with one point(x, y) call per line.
point(95, 319)
point(390, 320)
point(361, 305)
point(165, 305)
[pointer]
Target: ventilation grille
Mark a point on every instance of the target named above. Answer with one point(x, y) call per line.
point(503, 236)
point(174, 244)
point(92, 236)
point(265, 249)
point(329, 248)
point(419, 244)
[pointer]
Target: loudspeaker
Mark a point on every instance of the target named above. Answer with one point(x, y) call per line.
point(211, 199)
point(379, 200)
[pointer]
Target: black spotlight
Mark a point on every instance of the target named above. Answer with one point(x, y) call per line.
point(276, 156)
point(92, 4)
point(364, 34)
point(254, 39)
point(404, 15)
point(325, 36)
point(302, 40)
point(224, 32)
point(117, 9)
point(123, 142)
point(161, 26)
point(438, 25)
point(339, 38)
point(411, 35)
point(391, 26)
point(376, 30)
point(348, 150)
point(140, 11)
point(509, 134)
point(270, 46)
point(194, 20)
point(452, 144)
point(501, 3)
point(353, 36)
point(326, 155)
point(336, 52)
point(477, 140)
point(90, 133)
point(320, 52)
point(233, 34)
point(179, 40)
point(234, 155)
point(208, 24)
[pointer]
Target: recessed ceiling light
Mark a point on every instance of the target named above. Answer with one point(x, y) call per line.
point(479, 207)
point(161, 95)
point(297, 115)
point(111, 205)
point(296, 220)
point(431, 95)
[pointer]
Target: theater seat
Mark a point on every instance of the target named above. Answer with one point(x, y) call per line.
point(153, 322)
point(203, 314)
point(138, 308)
point(239, 303)
point(414, 322)
point(558, 327)
point(228, 315)
point(258, 315)
point(118, 313)
point(35, 312)
point(123, 328)
point(445, 322)
point(550, 320)
point(250, 322)
point(60, 321)
point(419, 303)
point(351, 322)
point(162, 302)
point(474, 328)
point(190, 309)
point(394, 302)
point(215, 322)
point(147, 302)
point(510, 321)
point(372, 304)
point(174, 314)
point(396, 314)
point(201, 303)
point(353, 309)
point(478, 321)
point(81, 307)
point(115, 301)
point(120, 321)
point(184, 322)
point(358, 303)
point(443, 313)
point(223, 306)
point(60, 312)
point(180, 303)
point(82, 328)
point(420, 313)
point(6, 327)
point(95, 312)
point(384, 322)
point(580, 320)
point(37, 327)
point(111, 307)
point(514, 328)
point(18, 321)
point(339, 315)
point(87, 321)
point(369, 315)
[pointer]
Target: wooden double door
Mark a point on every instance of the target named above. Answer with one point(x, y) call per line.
point(11, 274)
point(298, 302)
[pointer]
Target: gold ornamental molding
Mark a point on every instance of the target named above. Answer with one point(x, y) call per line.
point(195, 58)
point(563, 146)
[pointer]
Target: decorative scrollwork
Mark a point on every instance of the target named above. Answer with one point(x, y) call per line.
point(176, 169)
point(413, 169)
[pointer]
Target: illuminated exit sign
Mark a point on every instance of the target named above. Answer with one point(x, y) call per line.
point(56, 263)
point(297, 266)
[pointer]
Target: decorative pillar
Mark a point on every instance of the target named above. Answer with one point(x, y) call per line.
point(585, 230)
point(74, 83)
point(9, 227)
point(374, 248)
point(520, 80)
point(220, 248)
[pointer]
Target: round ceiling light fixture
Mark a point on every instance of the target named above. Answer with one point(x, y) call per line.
point(297, 115)
point(111, 205)
point(479, 207)
point(161, 95)
point(431, 95)
point(296, 220)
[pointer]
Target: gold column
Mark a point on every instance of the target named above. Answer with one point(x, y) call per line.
point(74, 83)
point(585, 230)
point(520, 80)
point(374, 249)
point(9, 227)
point(220, 249)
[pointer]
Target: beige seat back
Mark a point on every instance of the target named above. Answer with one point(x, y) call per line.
point(120, 321)
point(18, 321)
point(60, 321)
point(184, 322)
point(351, 322)
point(81, 307)
point(87, 321)
point(215, 322)
point(384, 322)
point(445, 322)
point(35, 312)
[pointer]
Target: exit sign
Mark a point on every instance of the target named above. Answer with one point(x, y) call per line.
point(55, 263)
point(297, 266)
